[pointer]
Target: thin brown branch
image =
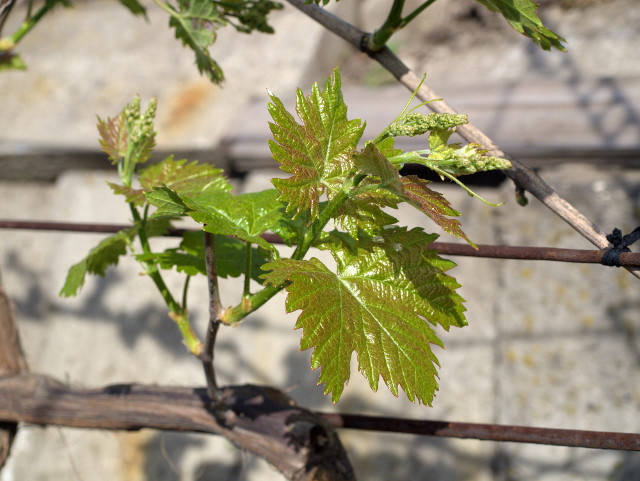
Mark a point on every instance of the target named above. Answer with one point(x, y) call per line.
point(260, 419)
point(585, 256)
point(302, 445)
point(489, 432)
point(12, 361)
point(629, 259)
point(519, 173)
point(214, 313)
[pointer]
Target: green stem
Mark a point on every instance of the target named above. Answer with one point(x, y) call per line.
point(394, 22)
point(378, 39)
point(252, 302)
point(247, 270)
point(415, 13)
point(185, 289)
point(11, 41)
point(176, 312)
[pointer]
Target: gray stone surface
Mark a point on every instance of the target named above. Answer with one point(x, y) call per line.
point(548, 344)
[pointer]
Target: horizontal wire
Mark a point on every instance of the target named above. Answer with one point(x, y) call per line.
point(488, 432)
point(587, 256)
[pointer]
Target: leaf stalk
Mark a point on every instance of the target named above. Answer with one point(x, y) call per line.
point(250, 303)
point(11, 41)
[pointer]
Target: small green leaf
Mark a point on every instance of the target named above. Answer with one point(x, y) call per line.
point(433, 204)
point(317, 153)
point(363, 212)
point(522, 16)
point(371, 161)
point(10, 60)
point(167, 202)
point(106, 253)
point(378, 304)
point(179, 176)
point(134, 196)
point(195, 23)
point(135, 7)
point(185, 178)
point(113, 137)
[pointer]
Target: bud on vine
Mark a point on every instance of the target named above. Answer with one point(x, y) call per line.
point(466, 160)
point(414, 124)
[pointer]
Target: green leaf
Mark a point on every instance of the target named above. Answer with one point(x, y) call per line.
point(371, 161)
point(433, 204)
point(251, 14)
point(318, 153)
point(106, 253)
point(291, 229)
point(378, 304)
point(167, 203)
point(113, 137)
point(363, 212)
point(245, 216)
point(189, 257)
point(135, 7)
point(180, 176)
point(195, 23)
point(185, 178)
point(134, 196)
point(522, 16)
point(10, 60)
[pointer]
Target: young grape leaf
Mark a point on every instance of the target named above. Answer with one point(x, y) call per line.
point(113, 137)
point(245, 216)
point(319, 152)
point(522, 16)
point(371, 161)
point(378, 304)
point(185, 178)
point(106, 253)
point(134, 196)
point(433, 204)
point(363, 212)
point(189, 257)
point(180, 176)
point(195, 22)
point(167, 203)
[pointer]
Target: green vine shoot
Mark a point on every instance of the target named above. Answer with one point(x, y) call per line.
point(389, 293)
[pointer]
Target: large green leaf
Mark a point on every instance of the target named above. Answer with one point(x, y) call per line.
point(379, 304)
point(522, 16)
point(318, 153)
point(106, 253)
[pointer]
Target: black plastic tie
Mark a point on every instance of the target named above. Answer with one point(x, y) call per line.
point(620, 243)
